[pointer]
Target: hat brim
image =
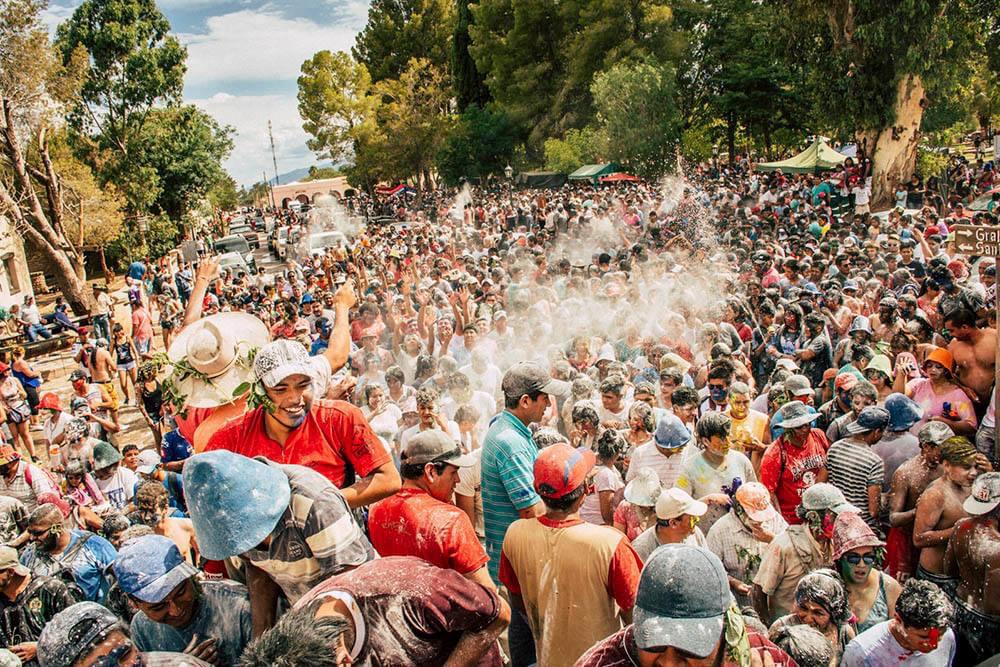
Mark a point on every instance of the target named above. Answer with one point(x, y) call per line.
point(556, 387)
point(697, 636)
point(760, 516)
point(795, 422)
point(978, 507)
point(696, 508)
point(155, 591)
point(631, 495)
point(19, 570)
point(277, 375)
point(145, 470)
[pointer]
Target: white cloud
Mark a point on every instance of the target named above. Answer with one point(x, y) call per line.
point(249, 114)
point(258, 45)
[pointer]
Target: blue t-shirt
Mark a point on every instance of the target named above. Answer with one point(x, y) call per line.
point(136, 270)
point(88, 564)
point(223, 614)
point(508, 476)
point(175, 447)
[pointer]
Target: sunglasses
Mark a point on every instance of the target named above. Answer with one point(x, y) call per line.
point(854, 559)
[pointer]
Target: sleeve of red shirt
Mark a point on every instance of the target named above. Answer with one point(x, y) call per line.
point(457, 605)
point(507, 576)
point(759, 641)
point(226, 438)
point(821, 439)
point(467, 554)
point(770, 467)
point(623, 575)
point(355, 437)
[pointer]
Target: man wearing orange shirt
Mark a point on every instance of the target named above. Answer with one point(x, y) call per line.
point(331, 437)
point(420, 520)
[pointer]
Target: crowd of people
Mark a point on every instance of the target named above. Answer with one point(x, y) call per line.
point(698, 422)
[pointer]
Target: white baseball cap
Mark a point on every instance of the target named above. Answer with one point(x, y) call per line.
point(674, 502)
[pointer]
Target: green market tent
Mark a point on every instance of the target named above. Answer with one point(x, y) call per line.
point(818, 157)
point(592, 172)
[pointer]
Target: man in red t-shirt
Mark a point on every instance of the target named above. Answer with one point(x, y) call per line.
point(419, 520)
point(331, 437)
point(796, 460)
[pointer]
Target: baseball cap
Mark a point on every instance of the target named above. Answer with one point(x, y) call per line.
point(528, 377)
point(73, 632)
point(671, 433)
point(934, 433)
point(798, 385)
point(674, 502)
point(559, 469)
point(279, 359)
point(435, 446)
point(149, 460)
point(9, 561)
point(787, 364)
point(984, 498)
point(8, 455)
point(870, 419)
point(824, 496)
point(845, 381)
point(755, 500)
point(150, 567)
point(682, 600)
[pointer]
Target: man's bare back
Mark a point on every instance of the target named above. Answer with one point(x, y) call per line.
point(181, 532)
point(908, 482)
point(975, 362)
point(102, 366)
point(973, 556)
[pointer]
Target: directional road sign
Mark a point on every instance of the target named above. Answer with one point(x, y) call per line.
point(977, 240)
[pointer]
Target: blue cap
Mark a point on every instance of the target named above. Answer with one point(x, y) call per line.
point(307, 298)
point(150, 567)
point(870, 419)
point(671, 433)
point(682, 600)
point(234, 502)
point(904, 412)
point(850, 284)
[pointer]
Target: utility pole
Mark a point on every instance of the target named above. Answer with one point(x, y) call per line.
point(269, 188)
point(274, 158)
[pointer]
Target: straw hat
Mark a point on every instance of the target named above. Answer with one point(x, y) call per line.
point(217, 349)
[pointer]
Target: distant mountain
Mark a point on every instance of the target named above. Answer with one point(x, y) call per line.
point(297, 174)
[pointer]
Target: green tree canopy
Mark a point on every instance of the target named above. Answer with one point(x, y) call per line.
point(575, 149)
point(399, 30)
point(335, 101)
point(481, 143)
point(470, 87)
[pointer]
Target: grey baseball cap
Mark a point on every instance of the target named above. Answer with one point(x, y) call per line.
point(934, 433)
point(435, 446)
point(682, 600)
point(527, 377)
point(870, 419)
point(824, 496)
point(798, 385)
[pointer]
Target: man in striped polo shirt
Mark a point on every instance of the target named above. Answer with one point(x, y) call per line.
point(508, 460)
point(854, 468)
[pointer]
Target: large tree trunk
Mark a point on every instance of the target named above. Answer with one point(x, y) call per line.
point(72, 285)
point(894, 155)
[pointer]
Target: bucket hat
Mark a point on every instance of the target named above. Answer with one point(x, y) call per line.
point(860, 323)
point(644, 488)
point(904, 412)
point(880, 363)
point(943, 357)
point(216, 348)
point(105, 455)
point(50, 401)
point(682, 600)
point(73, 632)
point(234, 501)
point(794, 414)
point(671, 433)
point(151, 567)
point(851, 532)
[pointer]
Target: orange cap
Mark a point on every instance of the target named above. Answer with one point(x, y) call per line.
point(943, 357)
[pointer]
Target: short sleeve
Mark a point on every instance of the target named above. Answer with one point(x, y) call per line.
point(623, 575)
point(454, 605)
point(507, 575)
point(517, 473)
point(605, 479)
point(772, 569)
point(467, 554)
point(356, 439)
point(332, 534)
point(876, 475)
point(770, 467)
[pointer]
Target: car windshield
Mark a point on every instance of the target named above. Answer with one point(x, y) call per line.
point(232, 244)
point(325, 240)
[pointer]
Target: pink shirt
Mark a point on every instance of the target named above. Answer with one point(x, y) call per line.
point(933, 404)
point(142, 327)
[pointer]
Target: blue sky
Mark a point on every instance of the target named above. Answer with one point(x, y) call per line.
point(243, 59)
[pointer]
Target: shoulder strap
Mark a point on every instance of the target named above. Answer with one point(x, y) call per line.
point(68, 556)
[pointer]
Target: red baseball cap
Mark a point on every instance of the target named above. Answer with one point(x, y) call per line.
point(560, 469)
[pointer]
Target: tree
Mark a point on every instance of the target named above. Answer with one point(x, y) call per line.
point(481, 143)
point(636, 111)
point(539, 58)
point(470, 87)
point(185, 147)
point(135, 65)
point(400, 30)
point(319, 173)
point(223, 196)
point(415, 111)
point(575, 149)
point(35, 86)
point(872, 64)
point(336, 102)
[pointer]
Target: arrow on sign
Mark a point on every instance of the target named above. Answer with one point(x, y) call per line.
point(966, 248)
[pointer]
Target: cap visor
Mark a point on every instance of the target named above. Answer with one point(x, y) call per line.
point(697, 636)
point(463, 461)
point(556, 388)
point(845, 507)
point(696, 508)
point(145, 470)
point(156, 590)
point(761, 515)
point(977, 507)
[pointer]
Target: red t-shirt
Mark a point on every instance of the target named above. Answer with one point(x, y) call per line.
point(413, 523)
point(788, 471)
point(623, 571)
point(333, 437)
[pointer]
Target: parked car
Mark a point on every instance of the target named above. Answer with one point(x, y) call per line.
point(247, 232)
point(285, 240)
point(236, 243)
point(320, 241)
point(235, 262)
